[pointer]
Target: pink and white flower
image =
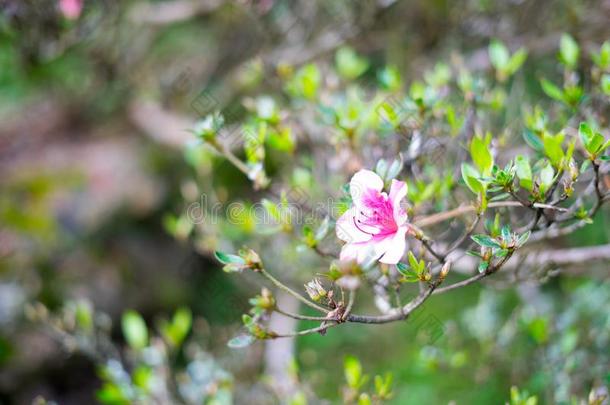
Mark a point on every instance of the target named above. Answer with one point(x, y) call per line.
point(375, 227)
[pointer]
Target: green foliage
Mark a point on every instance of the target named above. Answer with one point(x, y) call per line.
point(481, 154)
point(176, 330)
point(569, 51)
point(594, 142)
point(505, 64)
point(521, 397)
point(305, 82)
point(417, 270)
point(602, 58)
point(349, 64)
point(134, 330)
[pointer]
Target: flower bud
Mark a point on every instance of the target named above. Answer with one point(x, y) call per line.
point(315, 290)
point(445, 270)
point(252, 259)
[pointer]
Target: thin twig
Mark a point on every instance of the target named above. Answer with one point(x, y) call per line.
point(299, 316)
point(317, 329)
point(290, 291)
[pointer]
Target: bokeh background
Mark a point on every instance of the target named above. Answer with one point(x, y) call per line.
point(95, 104)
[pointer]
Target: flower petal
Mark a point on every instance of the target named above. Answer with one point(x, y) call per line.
point(398, 191)
point(361, 252)
point(363, 181)
point(394, 247)
point(347, 230)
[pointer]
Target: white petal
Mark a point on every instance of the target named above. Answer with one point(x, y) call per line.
point(362, 181)
point(347, 230)
point(398, 191)
point(395, 248)
point(361, 252)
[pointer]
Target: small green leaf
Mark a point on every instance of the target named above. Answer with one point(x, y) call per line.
point(349, 64)
point(485, 240)
point(505, 232)
point(569, 51)
point(553, 149)
point(176, 330)
point(605, 84)
point(524, 172)
point(410, 275)
point(353, 372)
point(413, 262)
point(481, 155)
point(134, 330)
point(483, 266)
point(498, 54)
point(470, 176)
point(516, 61)
point(502, 253)
point(241, 341)
point(552, 91)
point(473, 253)
point(547, 175)
point(533, 140)
point(225, 258)
point(390, 78)
point(523, 238)
point(602, 59)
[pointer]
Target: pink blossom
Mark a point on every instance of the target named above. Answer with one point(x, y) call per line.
point(376, 225)
point(71, 9)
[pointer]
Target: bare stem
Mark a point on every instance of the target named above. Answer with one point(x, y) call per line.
point(299, 316)
point(317, 329)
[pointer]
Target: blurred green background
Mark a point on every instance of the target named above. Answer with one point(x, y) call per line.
point(93, 118)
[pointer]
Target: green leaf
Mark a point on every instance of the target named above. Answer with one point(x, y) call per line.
point(413, 262)
point(272, 209)
point(569, 51)
point(481, 155)
point(586, 133)
point(505, 232)
point(553, 149)
point(597, 143)
point(592, 141)
point(502, 253)
point(134, 330)
point(176, 331)
point(225, 258)
point(498, 54)
point(390, 78)
point(602, 59)
point(533, 140)
point(485, 240)
point(353, 371)
point(523, 238)
point(410, 275)
point(483, 266)
point(349, 64)
point(552, 91)
point(524, 172)
point(605, 84)
point(547, 175)
point(473, 253)
point(516, 61)
point(305, 82)
point(470, 176)
point(241, 341)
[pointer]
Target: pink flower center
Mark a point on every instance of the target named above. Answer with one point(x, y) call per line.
point(376, 214)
